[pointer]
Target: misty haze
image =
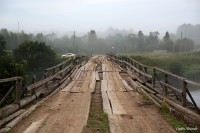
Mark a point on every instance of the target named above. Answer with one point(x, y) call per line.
point(94, 65)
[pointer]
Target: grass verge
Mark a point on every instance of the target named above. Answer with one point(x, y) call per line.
point(98, 121)
point(179, 125)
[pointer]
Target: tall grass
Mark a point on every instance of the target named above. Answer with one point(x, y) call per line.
point(186, 65)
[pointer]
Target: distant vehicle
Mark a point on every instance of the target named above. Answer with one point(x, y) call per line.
point(68, 55)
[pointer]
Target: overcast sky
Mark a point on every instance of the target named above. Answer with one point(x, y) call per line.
point(84, 15)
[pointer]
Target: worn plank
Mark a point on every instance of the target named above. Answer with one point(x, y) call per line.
point(111, 86)
point(70, 86)
point(106, 103)
point(114, 124)
point(104, 85)
point(97, 76)
point(126, 85)
point(117, 108)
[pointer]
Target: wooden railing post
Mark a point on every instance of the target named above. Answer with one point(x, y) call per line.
point(184, 87)
point(45, 76)
point(32, 82)
point(154, 78)
point(18, 86)
point(165, 88)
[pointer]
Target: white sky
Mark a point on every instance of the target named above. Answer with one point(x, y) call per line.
point(84, 15)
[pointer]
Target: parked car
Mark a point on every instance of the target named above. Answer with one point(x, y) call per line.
point(68, 55)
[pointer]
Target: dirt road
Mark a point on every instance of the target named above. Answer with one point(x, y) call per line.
point(67, 111)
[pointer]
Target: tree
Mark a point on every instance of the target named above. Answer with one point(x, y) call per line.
point(92, 37)
point(166, 37)
point(184, 45)
point(153, 38)
point(168, 43)
point(2, 44)
point(8, 68)
point(38, 55)
point(141, 41)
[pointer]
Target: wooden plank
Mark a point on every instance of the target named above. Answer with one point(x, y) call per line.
point(118, 76)
point(104, 75)
point(77, 74)
point(106, 103)
point(111, 86)
point(92, 85)
point(108, 75)
point(37, 84)
point(10, 79)
point(97, 76)
point(133, 83)
point(114, 124)
point(104, 85)
point(103, 67)
point(171, 87)
point(70, 86)
point(117, 82)
point(126, 85)
point(35, 126)
point(117, 108)
point(11, 117)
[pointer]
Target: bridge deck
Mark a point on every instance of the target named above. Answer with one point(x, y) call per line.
point(67, 110)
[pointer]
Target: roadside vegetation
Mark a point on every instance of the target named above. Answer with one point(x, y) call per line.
point(186, 64)
point(27, 59)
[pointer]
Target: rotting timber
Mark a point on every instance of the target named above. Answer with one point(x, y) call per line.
point(161, 90)
point(68, 109)
point(54, 78)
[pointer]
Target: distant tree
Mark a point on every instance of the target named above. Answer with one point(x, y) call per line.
point(168, 43)
point(38, 55)
point(166, 37)
point(40, 37)
point(141, 41)
point(184, 45)
point(2, 44)
point(189, 31)
point(92, 36)
point(153, 38)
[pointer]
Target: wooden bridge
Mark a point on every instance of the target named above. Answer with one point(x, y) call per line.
point(60, 102)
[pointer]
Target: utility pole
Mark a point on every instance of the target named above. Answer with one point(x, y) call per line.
point(73, 42)
point(180, 43)
point(18, 27)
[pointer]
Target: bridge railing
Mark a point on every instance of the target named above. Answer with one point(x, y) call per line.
point(53, 78)
point(160, 81)
point(16, 85)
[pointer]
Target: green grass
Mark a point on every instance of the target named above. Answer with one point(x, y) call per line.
point(179, 125)
point(145, 97)
point(98, 120)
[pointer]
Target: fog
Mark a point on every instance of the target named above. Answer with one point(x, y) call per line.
point(65, 16)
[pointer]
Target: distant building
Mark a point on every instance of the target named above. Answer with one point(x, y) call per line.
point(160, 51)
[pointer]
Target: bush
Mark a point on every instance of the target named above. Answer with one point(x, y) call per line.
point(9, 68)
point(38, 55)
point(176, 68)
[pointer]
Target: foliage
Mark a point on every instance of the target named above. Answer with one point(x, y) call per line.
point(2, 44)
point(38, 55)
point(186, 65)
point(184, 45)
point(176, 68)
point(117, 41)
point(9, 68)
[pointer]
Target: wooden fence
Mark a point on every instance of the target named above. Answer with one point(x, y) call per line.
point(52, 78)
point(157, 83)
